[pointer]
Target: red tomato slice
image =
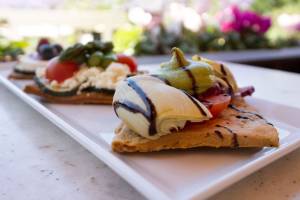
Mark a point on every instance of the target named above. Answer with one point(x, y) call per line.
point(60, 71)
point(216, 104)
point(128, 60)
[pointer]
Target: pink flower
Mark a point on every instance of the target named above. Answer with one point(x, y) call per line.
point(265, 24)
point(233, 19)
point(230, 19)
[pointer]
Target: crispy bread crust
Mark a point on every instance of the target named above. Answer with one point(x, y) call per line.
point(231, 129)
point(83, 98)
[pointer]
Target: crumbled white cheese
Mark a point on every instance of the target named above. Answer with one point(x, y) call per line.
point(54, 84)
point(91, 76)
point(110, 77)
point(70, 83)
point(40, 72)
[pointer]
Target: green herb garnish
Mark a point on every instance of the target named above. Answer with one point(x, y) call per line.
point(93, 54)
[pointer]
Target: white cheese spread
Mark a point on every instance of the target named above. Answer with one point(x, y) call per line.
point(30, 64)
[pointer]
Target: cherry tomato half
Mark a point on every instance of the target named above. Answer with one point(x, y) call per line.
point(216, 104)
point(60, 71)
point(128, 60)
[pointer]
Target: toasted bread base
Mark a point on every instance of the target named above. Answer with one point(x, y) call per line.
point(83, 98)
point(19, 76)
point(230, 129)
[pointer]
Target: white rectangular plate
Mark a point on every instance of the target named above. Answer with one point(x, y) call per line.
point(197, 173)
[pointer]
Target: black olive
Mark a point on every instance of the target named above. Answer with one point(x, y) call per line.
point(46, 52)
point(58, 48)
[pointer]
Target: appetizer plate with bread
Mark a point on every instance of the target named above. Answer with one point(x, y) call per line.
point(183, 129)
point(27, 64)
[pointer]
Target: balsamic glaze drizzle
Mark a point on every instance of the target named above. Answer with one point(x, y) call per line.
point(161, 78)
point(230, 87)
point(219, 134)
point(247, 112)
point(235, 142)
point(242, 117)
point(196, 104)
point(150, 108)
point(149, 114)
point(223, 69)
point(127, 105)
point(242, 111)
point(192, 78)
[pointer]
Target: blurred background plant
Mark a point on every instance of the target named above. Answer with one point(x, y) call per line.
point(286, 19)
point(236, 30)
point(210, 30)
point(9, 51)
point(142, 28)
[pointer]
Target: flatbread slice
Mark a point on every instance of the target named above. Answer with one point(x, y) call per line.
point(83, 98)
point(19, 76)
point(237, 126)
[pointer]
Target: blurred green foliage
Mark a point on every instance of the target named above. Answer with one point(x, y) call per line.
point(158, 40)
point(271, 5)
point(126, 38)
point(210, 39)
point(278, 35)
point(10, 50)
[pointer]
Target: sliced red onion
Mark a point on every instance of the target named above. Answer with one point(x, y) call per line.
point(246, 91)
